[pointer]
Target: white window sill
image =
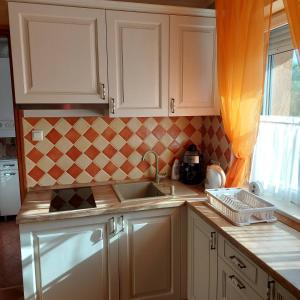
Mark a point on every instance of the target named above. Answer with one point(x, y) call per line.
point(286, 208)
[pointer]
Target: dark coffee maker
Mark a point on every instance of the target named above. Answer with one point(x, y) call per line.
point(192, 166)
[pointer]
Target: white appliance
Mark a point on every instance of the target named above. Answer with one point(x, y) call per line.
point(9, 188)
point(215, 177)
point(7, 126)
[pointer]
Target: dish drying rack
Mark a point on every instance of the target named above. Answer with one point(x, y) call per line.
point(240, 206)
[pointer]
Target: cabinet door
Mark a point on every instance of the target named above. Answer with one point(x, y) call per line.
point(202, 259)
point(65, 262)
point(231, 286)
point(192, 66)
point(59, 54)
point(149, 255)
point(138, 60)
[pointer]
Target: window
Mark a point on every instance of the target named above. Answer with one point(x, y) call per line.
point(276, 158)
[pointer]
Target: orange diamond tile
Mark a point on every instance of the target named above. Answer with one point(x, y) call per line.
point(32, 120)
point(110, 168)
point(143, 166)
point(109, 151)
point(92, 169)
point(159, 132)
point(74, 171)
point(109, 134)
point(72, 120)
point(126, 150)
point(54, 154)
point(189, 130)
point(90, 134)
point(143, 148)
point(54, 136)
point(55, 172)
point(173, 131)
point(127, 167)
point(159, 148)
point(92, 152)
point(36, 173)
point(73, 153)
point(35, 155)
point(52, 120)
point(126, 133)
point(72, 135)
point(143, 132)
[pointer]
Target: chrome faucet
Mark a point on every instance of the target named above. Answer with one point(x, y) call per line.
point(157, 175)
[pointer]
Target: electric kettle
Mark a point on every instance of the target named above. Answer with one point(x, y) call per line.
point(215, 177)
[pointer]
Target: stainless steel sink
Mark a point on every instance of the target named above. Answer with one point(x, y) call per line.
point(138, 191)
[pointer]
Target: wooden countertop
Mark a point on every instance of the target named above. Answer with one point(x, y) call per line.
point(37, 202)
point(275, 247)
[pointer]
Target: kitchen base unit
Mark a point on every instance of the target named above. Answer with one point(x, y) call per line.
point(136, 255)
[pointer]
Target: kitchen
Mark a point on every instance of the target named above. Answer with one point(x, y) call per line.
point(125, 112)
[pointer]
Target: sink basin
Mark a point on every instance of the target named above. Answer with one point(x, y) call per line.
point(137, 191)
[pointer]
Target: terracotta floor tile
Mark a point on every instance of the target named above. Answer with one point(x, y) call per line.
point(10, 256)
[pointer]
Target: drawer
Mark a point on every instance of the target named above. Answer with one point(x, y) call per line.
point(232, 286)
point(240, 263)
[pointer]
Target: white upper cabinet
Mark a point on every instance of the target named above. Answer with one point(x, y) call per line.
point(59, 54)
point(192, 66)
point(138, 63)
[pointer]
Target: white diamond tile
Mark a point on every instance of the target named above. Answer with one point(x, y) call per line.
point(117, 125)
point(82, 144)
point(62, 126)
point(81, 126)
point(64, 145)
point(134, 124)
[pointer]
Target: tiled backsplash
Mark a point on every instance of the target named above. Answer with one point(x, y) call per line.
point(89, 149)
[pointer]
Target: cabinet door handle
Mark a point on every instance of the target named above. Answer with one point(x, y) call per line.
point(122, 223)
point(237, 262)
point(112, 226)
point(102, 91)
point(213, 240)
point(172, 104)
point(113, 106)
point(237, 282)
point(9, 174)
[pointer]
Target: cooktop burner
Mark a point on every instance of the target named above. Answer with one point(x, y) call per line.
point(72, 199)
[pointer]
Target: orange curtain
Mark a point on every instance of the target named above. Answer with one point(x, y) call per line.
point(292, 8)
point(242, 40)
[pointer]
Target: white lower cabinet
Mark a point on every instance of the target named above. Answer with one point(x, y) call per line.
point(231, 286)
point(130, 256)
point(149, 255)
point(202, 259)
point(65, 260)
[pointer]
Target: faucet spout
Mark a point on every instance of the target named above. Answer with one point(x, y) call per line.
point(157, 175)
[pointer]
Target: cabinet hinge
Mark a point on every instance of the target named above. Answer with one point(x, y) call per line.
point(102, 91)
point(271, 290)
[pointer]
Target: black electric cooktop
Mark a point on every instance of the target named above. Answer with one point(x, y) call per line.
point(72, 199)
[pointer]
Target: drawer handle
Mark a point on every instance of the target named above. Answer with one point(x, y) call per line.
point(237, 282)
point(237, 262)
